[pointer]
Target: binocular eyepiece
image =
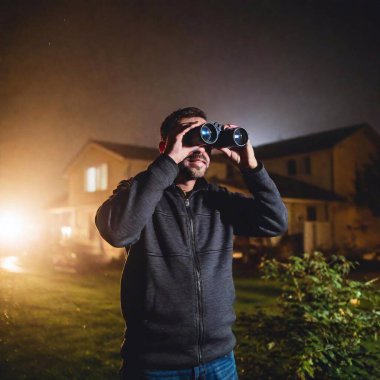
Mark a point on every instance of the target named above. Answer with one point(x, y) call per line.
point(214, 133)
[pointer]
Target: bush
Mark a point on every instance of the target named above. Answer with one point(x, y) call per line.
point(325, 326)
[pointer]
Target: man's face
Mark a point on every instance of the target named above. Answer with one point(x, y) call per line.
point(195, 164)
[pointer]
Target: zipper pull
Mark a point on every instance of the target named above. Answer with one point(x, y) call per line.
point(187, 202)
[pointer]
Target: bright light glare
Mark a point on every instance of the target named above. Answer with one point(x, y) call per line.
point(11, 264)
point(11, 226)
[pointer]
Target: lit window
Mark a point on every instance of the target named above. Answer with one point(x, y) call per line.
point(66, 232)
point(96, 178)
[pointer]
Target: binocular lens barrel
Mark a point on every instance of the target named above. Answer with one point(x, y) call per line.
point(240, 136)
point(215, 134)
point(204, 134)
point(209, 133)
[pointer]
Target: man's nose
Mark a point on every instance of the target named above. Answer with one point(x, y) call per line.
point(201, 150)
point(204, 150)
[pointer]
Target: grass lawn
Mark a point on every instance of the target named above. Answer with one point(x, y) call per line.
point(59, 326)
point(69, 326)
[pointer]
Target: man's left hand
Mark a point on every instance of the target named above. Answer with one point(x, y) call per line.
point(244, 156)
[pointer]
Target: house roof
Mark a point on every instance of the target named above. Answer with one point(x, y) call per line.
point(309, 143)
point(133, 151)
point(129, 151)
point(290, 188)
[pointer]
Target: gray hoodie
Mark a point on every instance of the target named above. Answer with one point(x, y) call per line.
point(177, 290)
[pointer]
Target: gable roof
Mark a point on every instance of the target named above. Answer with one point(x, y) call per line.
point(144, 153)
point(292, 188)
point(306, 144)
point(121, 151)
point(289, 188)
point(129, 151)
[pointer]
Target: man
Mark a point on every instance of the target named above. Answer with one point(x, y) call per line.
point(177, 290)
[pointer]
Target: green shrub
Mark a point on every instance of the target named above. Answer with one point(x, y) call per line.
point(325, 327)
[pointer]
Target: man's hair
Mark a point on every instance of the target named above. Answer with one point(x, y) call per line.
point(171, 120)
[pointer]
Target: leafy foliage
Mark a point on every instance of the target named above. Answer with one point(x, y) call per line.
point(323, 329)
point(367, 185)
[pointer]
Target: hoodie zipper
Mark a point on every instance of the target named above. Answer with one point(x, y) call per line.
point(198, 283)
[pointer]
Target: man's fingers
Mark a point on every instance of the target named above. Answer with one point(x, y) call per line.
point(226, 151)
point(230, 126)
point(187, 129)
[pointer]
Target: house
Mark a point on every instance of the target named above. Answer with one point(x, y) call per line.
point(314, 173)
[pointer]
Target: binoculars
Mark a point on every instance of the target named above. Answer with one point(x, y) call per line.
point(214, 133)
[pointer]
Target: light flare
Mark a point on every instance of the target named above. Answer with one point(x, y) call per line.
point(11, 264)
point(11, 226)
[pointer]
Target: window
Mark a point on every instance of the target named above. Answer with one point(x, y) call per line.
point(96, 178)
point(292, 167)
point(306, 165)
point(311, 213)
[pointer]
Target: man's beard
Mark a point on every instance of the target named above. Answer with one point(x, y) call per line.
point(194, 171)
point(191, 172)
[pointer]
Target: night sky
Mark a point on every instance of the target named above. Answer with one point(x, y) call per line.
point(112, 70)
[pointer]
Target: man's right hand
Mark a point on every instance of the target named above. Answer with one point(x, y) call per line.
point(174, 147)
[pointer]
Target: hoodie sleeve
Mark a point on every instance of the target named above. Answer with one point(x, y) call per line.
point(122, 217)
point(261, 215)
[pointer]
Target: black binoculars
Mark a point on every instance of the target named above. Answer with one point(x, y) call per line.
point(214, 133)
